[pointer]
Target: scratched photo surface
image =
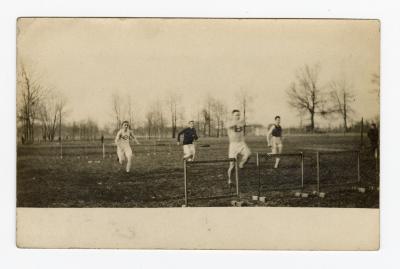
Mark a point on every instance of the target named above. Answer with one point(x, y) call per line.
point(155, 113)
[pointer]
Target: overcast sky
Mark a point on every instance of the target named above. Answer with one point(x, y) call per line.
point(89, 59)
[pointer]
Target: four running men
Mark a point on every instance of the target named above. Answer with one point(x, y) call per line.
point(238, 148)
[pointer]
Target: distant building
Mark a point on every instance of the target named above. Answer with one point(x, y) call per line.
point(256, 130)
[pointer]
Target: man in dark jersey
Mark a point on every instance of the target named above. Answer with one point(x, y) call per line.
point(189, 136)
point(274, 139)
point(373, 135)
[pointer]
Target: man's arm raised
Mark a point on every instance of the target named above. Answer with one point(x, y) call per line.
point(231, 124)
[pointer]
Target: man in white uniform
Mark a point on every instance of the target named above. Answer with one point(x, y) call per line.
point(274, 139)
point(237, 144)
point(123, 147)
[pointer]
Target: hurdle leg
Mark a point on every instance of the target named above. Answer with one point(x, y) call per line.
point(185, 181)
point(302, 170)
point(318, 172)
point(376, 156)
point(358, 167)
point(237, 177)
point(259, 176)
point(104, 152)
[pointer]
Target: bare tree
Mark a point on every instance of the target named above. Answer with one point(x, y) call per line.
point(61, 103)
point(123, 109)
point(149, 122)
point(44, 118)
point(92, 129)
point(159, 119)
point(50, 113)
point(244, 99)
point(155, 120)
point(75, 130)
point(198, 117)
point(116, 103)
point(48, 117)
point(206, 121)
point(219, 111)
point(82, 130)
point(129, 108)
point(173, 99)
point(207, 113)
point(30, 93)
point(342, 96)
point(306, 95)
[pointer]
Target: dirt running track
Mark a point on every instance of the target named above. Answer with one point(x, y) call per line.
point(84, 179)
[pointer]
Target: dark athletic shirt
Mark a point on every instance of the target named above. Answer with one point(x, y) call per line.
point(277, 131)
point(189, 134)
point(373, 135)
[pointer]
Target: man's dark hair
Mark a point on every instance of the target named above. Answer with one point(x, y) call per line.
point(277, 117)
point(235, 110)
point(125, 121)
point(373, 124)
point(191, 121)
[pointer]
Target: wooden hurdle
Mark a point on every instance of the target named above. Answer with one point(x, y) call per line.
point(271, 155)
point(318, 160)
point(185, 178)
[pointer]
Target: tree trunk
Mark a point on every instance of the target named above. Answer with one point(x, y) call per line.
point(244, 117)
point(59, 131)
point(173, 131)
point(32, 138)
point(174, 123)
point(362, 133)
point(345, 118)
point(312, 121)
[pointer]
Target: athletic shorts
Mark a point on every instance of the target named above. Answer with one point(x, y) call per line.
point(236, 148)
point(124, 150)
point(189, 150)
point(276, 143)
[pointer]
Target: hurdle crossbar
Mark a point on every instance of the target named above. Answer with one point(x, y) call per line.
point(212, 161)
point(268, 154)
point(258, 172)
point(334, 152)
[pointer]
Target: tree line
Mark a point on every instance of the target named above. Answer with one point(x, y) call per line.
point(311, 97)
point(37, 104)
point(43, 109)
point(163, 117)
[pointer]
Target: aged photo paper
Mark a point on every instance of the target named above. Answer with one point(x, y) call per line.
point(198, 133)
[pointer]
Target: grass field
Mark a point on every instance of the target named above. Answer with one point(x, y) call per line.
point(82, 178)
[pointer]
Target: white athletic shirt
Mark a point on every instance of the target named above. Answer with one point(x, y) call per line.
point(122, 138)
point(235, 131)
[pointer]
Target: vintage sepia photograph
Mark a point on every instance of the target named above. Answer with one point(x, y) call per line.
point(161, 113)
